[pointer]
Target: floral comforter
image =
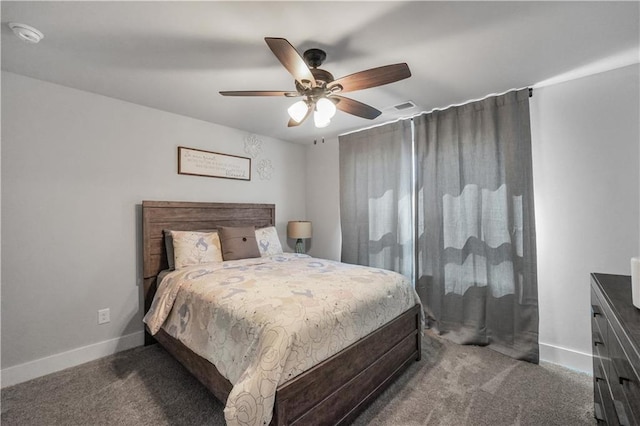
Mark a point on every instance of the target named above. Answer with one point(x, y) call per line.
point(263, 321)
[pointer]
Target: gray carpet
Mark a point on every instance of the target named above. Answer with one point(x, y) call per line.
point(452, 385)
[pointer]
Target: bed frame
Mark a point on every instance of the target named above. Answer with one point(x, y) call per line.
point(333, 392)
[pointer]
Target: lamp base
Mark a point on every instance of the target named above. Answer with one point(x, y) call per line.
point(299, 246)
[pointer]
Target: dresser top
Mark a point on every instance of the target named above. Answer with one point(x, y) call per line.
point(617, 292)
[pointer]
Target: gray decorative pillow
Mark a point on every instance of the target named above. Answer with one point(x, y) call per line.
point(238, 242)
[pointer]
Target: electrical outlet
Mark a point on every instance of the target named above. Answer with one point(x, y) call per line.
point(104, 316)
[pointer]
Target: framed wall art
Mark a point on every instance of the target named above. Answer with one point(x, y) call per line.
point(197, 162)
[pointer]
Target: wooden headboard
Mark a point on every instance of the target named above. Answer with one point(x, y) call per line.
point(189, 216)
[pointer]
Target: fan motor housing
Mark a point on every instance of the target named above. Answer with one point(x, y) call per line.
point(314, 58)
point(322, 76)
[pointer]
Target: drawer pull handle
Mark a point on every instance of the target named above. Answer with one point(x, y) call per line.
point(622, 369)
point(622, 415)
point(597, 339)
point(596, 310)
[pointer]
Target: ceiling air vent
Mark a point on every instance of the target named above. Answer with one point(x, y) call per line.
point(405, 105)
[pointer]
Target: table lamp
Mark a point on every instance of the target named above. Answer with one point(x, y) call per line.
point(299, 229)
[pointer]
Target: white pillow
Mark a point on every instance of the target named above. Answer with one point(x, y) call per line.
point(268, 242)
point(194, 248)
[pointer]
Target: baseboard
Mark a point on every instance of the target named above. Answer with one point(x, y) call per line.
point(570, 358)
point(30, 370)
point(9, 376)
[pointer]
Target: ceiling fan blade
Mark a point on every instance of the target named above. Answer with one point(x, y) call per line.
point(372, 77)
point(291, 59)
point(354, 107)
point(294, 123)
point(258, 93)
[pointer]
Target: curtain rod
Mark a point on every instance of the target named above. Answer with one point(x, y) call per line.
point(437, 109)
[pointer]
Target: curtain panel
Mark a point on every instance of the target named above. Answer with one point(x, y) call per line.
point(475, 231)
point(375, 197)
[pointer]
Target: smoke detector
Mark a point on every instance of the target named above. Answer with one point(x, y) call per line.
point(26, 32)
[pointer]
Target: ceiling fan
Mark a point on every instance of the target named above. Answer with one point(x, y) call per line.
point(319, 90)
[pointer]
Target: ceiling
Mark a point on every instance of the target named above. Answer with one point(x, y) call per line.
point(177, 56)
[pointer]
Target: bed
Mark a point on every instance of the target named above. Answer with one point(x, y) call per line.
point(334, 391)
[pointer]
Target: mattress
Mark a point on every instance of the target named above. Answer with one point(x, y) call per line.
point(264, 321)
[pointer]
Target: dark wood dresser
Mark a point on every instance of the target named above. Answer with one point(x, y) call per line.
point(615, 328)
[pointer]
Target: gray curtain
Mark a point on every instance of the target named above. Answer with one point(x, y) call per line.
point(475, 231)
point(375, 197)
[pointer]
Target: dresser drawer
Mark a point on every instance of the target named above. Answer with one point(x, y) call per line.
point(599, 333)
point(598, 319)
point(598, 407)
point(603, 408)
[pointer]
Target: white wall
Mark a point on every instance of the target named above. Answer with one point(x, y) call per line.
point(323, 199)
point(75, 168)
point(586, 172)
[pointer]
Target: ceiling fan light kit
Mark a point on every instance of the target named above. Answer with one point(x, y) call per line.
point(298, 111)
point(324, 112)
point(320, 91)
point(320, 122)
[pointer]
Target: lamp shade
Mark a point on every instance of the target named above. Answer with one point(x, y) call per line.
point(299, 229)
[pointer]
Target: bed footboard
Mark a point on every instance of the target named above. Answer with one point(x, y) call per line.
point(335, 391)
